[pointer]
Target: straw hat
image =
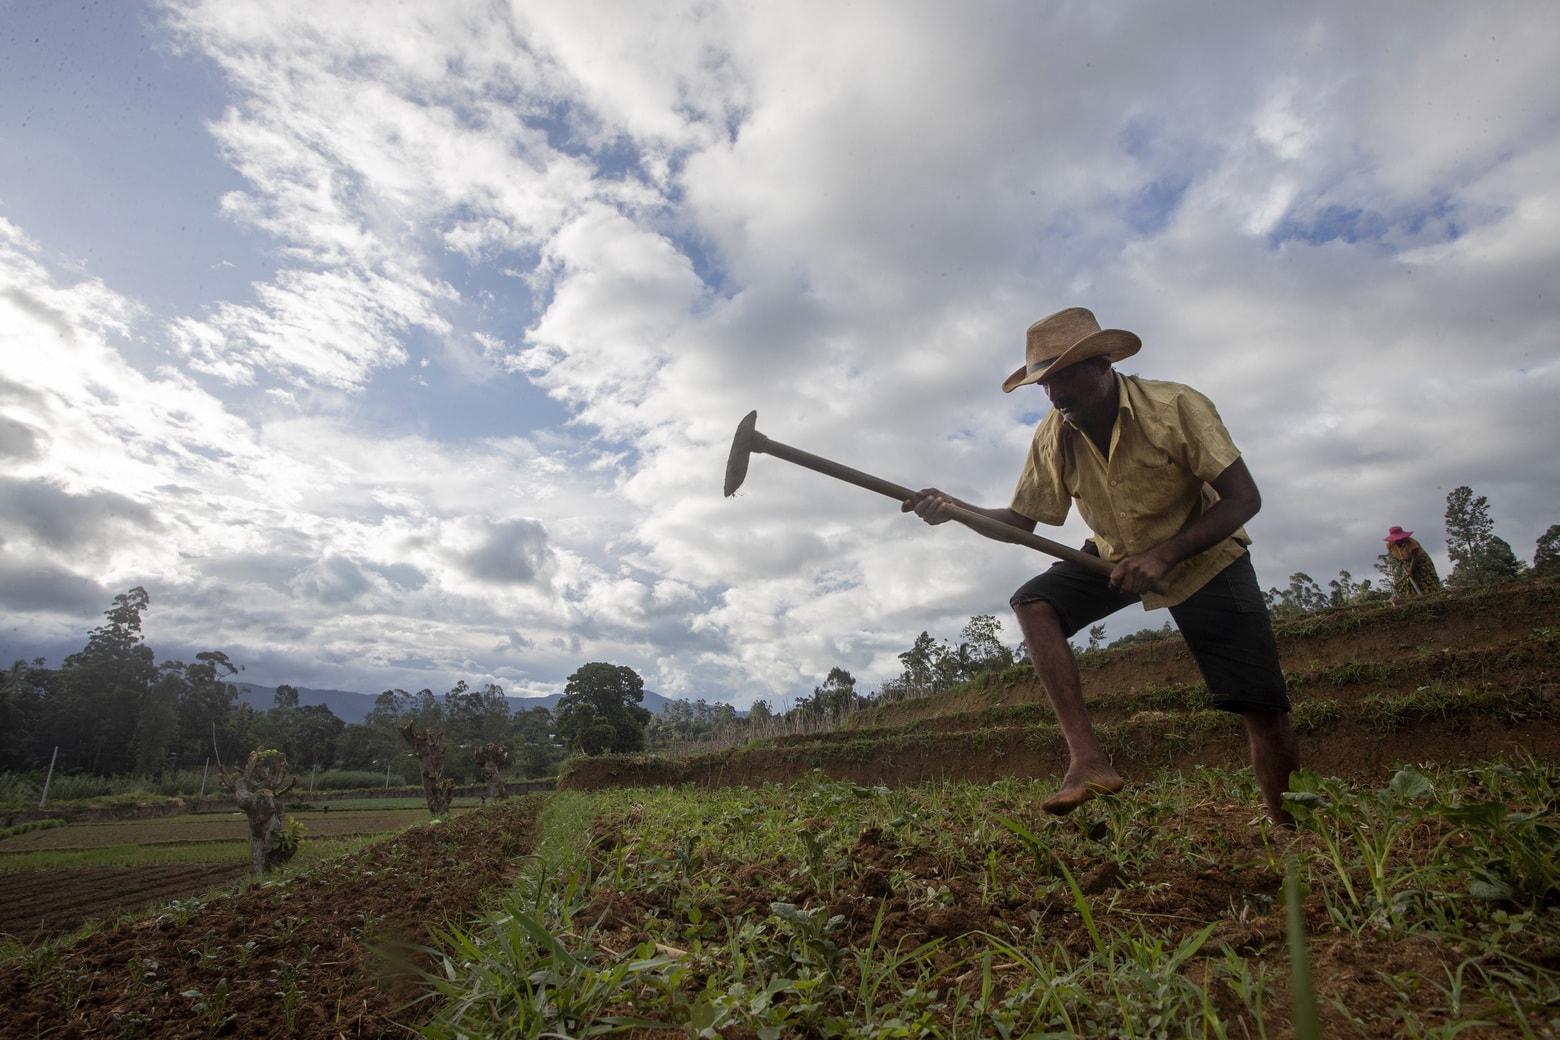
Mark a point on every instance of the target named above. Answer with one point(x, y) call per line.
point(1065, 338)
point(1397, 534)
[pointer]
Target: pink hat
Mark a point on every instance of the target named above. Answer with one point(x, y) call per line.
point(1397, 534)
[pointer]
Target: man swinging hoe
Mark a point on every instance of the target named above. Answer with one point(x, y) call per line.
point(1166, 494)
point(1165, 491)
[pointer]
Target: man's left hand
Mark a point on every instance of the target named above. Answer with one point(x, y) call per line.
point(1137, 574)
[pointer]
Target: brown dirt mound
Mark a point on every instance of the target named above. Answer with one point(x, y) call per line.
point(1452, 679)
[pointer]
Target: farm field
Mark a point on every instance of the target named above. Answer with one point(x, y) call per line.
point(313, 954)
point(824, 908)
point(852, 885)
point(205, 827)
point(97, 870)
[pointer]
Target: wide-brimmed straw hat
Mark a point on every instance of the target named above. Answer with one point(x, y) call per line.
point(1065, 338)
point(1397, 534)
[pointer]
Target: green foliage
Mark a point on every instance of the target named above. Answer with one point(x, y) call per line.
point(1366, 831)
point(1308, 1024)
point(1546, 554)
point(1146, 635)
point(1479, 556)
point(680, 722)
point(285, 842)
point(1509, 853)
point(1315, 716)
point(600, 710)
point(29, 827)
point(534, 751)
point(1303, 596)
point(932, 665)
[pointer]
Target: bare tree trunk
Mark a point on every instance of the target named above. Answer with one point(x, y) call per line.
point(429, 749)
point(490, 759)
point(256, 789)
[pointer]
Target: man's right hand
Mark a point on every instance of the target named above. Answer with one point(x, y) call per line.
point(929, 504)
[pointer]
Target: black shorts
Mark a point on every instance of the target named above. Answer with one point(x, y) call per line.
point(1225, 624)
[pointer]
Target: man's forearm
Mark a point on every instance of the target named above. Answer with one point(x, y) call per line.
point(1238, 501)
point(928, 505)
point(1223, 519)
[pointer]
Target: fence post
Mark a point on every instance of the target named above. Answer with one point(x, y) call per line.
point(49, 778)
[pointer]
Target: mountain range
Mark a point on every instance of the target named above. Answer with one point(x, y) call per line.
point(353, 708)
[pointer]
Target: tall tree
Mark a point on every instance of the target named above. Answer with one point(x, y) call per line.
point(1546, 555)
point(759, 716)
point(381, 746)
point(476, 717)
point(206, 706)
point(103, 687)
point(981, 646)
point(922, 663)
point(157, 728)
point(1479, 557)
point(836, 698)
point(531, 735)
point(23, 691)
point(600, 710)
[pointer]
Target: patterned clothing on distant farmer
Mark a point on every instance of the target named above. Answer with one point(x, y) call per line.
point(1413, 572)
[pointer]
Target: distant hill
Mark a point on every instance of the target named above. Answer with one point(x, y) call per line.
point(353, 708)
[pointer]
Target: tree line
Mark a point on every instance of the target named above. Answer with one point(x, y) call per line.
point(112, 709)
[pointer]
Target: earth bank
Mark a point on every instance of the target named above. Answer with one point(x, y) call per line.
point(1453, 679)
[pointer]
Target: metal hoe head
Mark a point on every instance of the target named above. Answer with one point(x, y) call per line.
point(741, 450)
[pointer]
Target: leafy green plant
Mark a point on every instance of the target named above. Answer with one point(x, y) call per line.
point(1509, 856)
point(516, 971)
point(284, 844)
point(1308, 1024)
point(1365, 832)
point(211, 1006)
point(289, 976)
point(1313, 716)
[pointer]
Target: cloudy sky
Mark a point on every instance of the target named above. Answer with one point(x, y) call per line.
point(391, 344)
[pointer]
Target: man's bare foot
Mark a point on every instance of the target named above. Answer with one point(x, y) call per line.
point(1079, 788)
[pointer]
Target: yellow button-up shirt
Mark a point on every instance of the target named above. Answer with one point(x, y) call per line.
point(1167, 448)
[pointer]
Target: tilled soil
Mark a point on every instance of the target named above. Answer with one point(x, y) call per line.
point(309, 957)
point(40, 904)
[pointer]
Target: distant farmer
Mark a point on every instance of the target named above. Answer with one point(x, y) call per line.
point(1165, 492)
point(1413, 572)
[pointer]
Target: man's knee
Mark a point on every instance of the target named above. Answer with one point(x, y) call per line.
point(1037, 611)
point(1037, 617)
point(1270, 727)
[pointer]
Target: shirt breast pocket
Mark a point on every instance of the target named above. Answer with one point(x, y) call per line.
point(1157, 484)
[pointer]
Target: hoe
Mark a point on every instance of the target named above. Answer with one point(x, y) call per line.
point(748, 440)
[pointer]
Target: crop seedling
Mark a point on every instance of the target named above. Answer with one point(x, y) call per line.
point(1509, 856)
point(290, 976)
point(211, 1006)
point(1366, 829)
point(132, 1024)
